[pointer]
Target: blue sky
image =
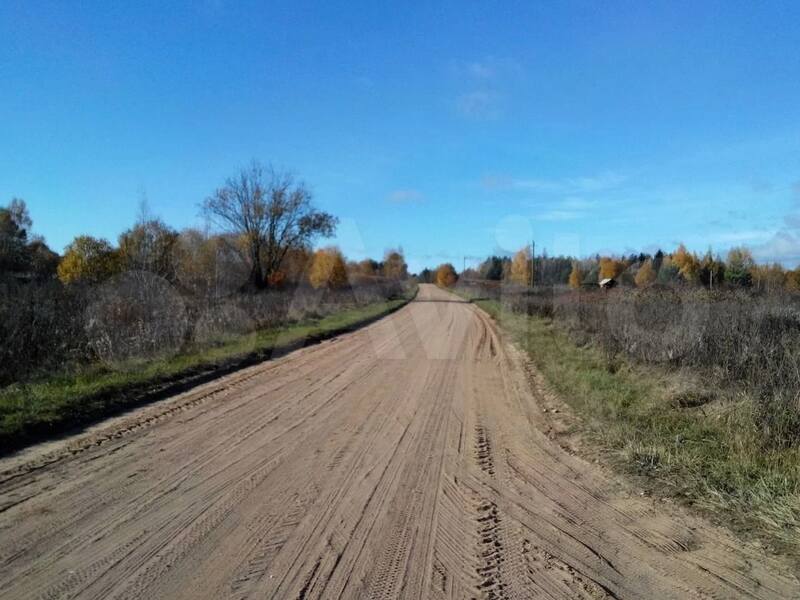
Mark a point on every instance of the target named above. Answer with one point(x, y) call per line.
point(451, 129)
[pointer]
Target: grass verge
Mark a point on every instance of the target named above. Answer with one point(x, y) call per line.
point(707, 456)
point(36, 411)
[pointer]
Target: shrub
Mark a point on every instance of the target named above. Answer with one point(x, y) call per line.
point(328, 269)
point(446, 275)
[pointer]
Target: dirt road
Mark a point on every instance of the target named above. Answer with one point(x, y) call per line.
point(405, 460)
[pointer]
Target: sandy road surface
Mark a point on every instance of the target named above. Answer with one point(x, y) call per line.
point(403, 460)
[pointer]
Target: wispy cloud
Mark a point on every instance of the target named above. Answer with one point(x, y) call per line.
point(568, 209)
point(409, 196)
point(746, 236)
point(485, 83)
point(480, 104)
point(560, 215)
point(488, 68)
point(570, 185)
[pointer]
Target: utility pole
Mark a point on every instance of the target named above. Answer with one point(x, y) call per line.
point(533, 255)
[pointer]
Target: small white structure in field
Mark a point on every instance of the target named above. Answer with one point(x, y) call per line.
point(607, 283)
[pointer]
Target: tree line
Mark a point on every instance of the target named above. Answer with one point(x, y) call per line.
point(265, 226)
point(737, 270)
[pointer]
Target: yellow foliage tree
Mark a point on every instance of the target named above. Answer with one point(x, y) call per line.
point(611, 268)
point(793, 280)
point(295, 264)
point(88, 260)
point(645, 275)
point(328, 269)
point(394, 265)
point(575, 276)
point(768, 277)
point(687, 263)
point(521, 266)
point(446, 275)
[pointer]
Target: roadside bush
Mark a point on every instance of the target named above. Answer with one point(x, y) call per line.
point(48, 327)
point(41, 327)
point(222, 322)
point(136, 315)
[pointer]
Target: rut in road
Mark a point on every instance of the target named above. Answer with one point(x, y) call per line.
point(404, 460)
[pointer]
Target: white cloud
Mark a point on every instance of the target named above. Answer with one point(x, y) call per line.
point(570, 185)
point(560, 215)
point(740, 237)
point(784, 245)
point(489, 79)
point(595, 183)
point(571, 208)
point(480, 104)
point(409, 196)
point(487, 68)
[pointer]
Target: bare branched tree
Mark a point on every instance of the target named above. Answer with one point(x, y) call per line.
point(271, 213)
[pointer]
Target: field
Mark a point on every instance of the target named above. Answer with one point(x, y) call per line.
point(698, 405)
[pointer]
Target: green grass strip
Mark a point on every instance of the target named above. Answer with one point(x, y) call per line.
point(709, 457)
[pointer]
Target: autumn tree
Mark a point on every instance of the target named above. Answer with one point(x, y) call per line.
point(149, 246)
point(669, 272)
point(296, 264)
point(271, 212)
point(793, 280)
point(521, 266)
point(687, 264)
point(646, 275)
point(207, 265)
point(394, 265)
point(575, 276)
point(328, 269)
point(446, 275)
point(768, 278)
point(611, 268)
point(88, 260)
